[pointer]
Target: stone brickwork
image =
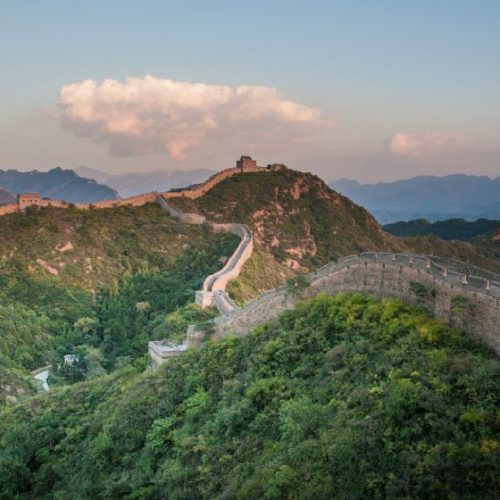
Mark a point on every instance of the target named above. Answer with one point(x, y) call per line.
point(387, 275)
point(246, 163)
point(182, 216)
point(219, 280)
point(26, 200)
point(159, 352)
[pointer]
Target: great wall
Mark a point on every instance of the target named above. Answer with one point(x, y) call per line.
point(244, 165)
point(464, 300)
point(448, 289)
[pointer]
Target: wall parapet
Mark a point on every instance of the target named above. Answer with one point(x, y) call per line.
point(231, 270)
point(383, 274)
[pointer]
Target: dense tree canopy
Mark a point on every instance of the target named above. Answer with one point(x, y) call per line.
point(344, 396)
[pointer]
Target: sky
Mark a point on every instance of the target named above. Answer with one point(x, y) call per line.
point(367, 90)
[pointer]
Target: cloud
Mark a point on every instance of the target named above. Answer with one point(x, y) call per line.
point(148, 115)
point(427, 144)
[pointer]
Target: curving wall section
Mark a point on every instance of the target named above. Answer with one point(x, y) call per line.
point(200, 189)
point(213, 293)
point(9, 209)
point(232, 268)
point(387, 275)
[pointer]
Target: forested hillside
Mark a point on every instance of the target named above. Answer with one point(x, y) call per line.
point(451, 229)
point(98, 284)
point(481, 238)
point(343, 397)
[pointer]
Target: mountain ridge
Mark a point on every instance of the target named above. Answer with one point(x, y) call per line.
point(6, 198)
point(299, 223)
point(430, 197)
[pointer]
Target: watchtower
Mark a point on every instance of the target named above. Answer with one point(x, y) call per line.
point(245, 163)
point(25, 200)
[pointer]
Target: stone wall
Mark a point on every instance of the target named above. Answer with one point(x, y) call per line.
point(216, 282)
point(199, 190)
point(224, 303)
point(159, 352)
point(8, 209)
point(188, 218)
point(231, 270)
point(387, 275)
point(33, 199)
point(25, 200)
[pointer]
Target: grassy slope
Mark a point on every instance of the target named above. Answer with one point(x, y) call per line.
point(299, 223)
point(343, 397)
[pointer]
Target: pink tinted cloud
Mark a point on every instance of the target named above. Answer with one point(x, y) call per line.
point(147, 115)
point(427, 144)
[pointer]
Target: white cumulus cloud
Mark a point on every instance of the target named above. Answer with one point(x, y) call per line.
point(148, 115)
point(430, 143)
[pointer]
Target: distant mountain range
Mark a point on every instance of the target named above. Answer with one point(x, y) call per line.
point(58, 184)
point(6, 197)
point(434, 198)
point(133, 183)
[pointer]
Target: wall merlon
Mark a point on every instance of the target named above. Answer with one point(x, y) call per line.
point(384, 275)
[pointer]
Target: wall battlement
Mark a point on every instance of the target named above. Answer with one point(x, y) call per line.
point(387, 275)
point(244, 165)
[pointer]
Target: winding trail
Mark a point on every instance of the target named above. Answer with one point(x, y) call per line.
point(214, 287)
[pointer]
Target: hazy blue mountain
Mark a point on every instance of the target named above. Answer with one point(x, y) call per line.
point(434, 198)
point(133, 183)
point(58, 184)
point(6, 197)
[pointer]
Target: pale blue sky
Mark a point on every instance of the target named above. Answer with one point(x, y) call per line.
point(428, 69)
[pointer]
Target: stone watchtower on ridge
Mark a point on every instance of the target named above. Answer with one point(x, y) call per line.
point(245, 163)
point(25, 200)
